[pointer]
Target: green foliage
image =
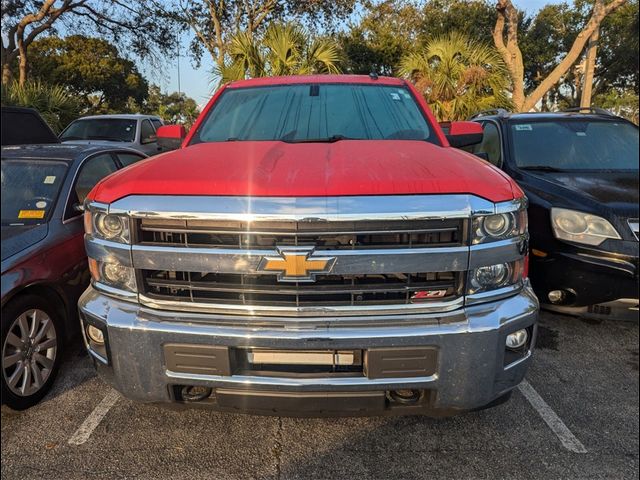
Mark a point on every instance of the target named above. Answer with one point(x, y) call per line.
point(92, 68)
point(56, 105)
point(386, 32)
point(283, 49)
point(621, 102)
point(174, 108)
point(458, 76)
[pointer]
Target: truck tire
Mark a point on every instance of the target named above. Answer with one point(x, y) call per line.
point(32, 344)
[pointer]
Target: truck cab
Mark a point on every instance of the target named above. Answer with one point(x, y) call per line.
point(314, 247)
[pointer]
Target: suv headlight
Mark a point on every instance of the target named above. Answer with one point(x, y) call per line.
point(501, 225)
point(580, 227)
point(107, 226)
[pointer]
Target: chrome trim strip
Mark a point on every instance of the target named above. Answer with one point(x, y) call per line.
point(255, 209)
point(115, 292)
point(493, 295)
point(253, 381)
point(511, 205)
point(501, 251)
point(106, 251)
point(320, 311)
point(219, 260)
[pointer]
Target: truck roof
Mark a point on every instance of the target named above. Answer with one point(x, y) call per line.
point(302, 79)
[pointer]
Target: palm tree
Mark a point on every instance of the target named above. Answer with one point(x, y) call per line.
point(458, 76)
point(54, 102)
point(283, 49)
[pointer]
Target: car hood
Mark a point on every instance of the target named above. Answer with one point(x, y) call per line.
point(617, 191)
point(18, 238)
point(347, 167)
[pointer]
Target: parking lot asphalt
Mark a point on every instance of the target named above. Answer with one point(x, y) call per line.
point(575, 417)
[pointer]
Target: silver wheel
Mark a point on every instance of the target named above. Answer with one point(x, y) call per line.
point(29, 352)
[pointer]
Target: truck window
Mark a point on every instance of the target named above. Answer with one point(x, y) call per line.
point(315, 112)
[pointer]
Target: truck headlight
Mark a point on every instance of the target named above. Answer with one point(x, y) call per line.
point(493, 277)
point(111, 227)
point(499, 226)
point(580, 227)
point(107, 226)
point(113, 275)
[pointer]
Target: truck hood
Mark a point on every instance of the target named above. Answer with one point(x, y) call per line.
point(347, 167)
point(17, 238)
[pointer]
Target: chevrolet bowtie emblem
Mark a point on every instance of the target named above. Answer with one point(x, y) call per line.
point(295, 264)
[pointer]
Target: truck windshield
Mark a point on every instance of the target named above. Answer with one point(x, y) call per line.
point(30, 190)
point(110, 129)
point(315, 113)
point(567, 144)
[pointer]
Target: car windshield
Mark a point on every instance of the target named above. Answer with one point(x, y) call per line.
point(30, 190)
point(315, 113)
point(569, 144)
point(110, 129)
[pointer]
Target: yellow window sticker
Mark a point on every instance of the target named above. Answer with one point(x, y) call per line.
point(49, 179)
point(31, 214)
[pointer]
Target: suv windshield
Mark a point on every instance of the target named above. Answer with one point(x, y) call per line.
point(30, 190)
point(569, 144)
point(315, 113)
point(111, 129)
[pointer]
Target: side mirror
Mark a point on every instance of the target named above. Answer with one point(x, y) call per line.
point(170, 137)
point(464, 134)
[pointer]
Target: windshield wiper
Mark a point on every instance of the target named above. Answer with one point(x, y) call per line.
point(541, 168)
point(331, 139)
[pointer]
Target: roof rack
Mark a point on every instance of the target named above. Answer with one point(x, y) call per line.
point(501, 112)
point(596, 110)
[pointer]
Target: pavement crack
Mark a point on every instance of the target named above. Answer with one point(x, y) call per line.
point(277, 449)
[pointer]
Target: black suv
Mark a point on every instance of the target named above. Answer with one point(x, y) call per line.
point(580, 173)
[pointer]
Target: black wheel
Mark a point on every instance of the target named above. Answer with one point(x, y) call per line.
point(32, 341)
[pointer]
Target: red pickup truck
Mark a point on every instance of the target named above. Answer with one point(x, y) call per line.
point(314, 247)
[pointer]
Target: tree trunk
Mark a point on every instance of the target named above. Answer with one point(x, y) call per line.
point(512, 56)
point(22, 63)
point(7, 74)
point(590, 66)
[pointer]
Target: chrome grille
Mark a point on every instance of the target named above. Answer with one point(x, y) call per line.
point(322, 235)
point(383, 238)
point(327, 290)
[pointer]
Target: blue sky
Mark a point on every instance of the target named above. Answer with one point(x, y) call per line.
point(196, 82)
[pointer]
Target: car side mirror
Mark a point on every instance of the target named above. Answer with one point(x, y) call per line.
point(170, 137)
point(464, 134)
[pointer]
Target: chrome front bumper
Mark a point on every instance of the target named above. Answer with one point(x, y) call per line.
point(470, 370)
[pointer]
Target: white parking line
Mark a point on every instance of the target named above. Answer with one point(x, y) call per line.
point(568, 439)
point(85, 430)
